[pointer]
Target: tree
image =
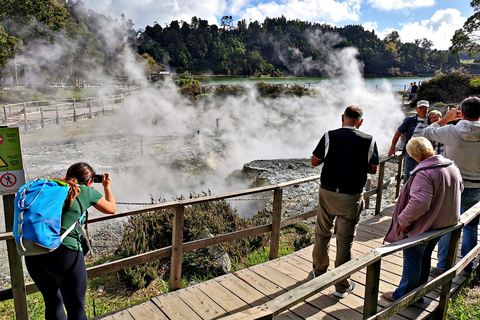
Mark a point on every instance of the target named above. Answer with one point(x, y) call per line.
point(467, 39)
point(226, 21)
point(8, 47)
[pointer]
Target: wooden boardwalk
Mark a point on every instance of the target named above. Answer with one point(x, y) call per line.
point(254, 286)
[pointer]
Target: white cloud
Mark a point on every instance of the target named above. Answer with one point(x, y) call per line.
point(439, 28)
point(237, 5)
point(370, 26)
point(310, 10)
point(400, 4)
point(145, 12)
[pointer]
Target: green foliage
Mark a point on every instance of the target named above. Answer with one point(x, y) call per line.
point(453, 87)
point(269, 90)
point(467, 38)
point(153, 230)
point(466, 304)
point(297, 90)
point(192, 90)
point(226, 90)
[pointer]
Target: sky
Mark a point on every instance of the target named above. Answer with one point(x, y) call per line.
point(435, 20)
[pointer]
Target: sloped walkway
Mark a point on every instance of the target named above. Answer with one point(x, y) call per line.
point(254, 286)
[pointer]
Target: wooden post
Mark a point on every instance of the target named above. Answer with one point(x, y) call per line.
point(177, 242)
point(372, 284)
point(401, 158)
point(74, 112)
point(276, 219)
point(10, 110)
point(381, 173)
point(25, 116)
point(113, 104)
point(57, 115)
point(42, 121)
point(89, 105)
point(451, 259)
point(367, 188)
point(15, 262)
point(103, 107)
point(5, 114)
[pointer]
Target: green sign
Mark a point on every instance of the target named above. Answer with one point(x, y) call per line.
point(10, 150)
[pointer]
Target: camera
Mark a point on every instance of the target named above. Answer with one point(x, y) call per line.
point(98, 178)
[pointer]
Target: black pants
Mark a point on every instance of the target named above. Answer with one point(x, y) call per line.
point(61, 277)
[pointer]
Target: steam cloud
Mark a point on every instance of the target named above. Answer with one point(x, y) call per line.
point(223, 134)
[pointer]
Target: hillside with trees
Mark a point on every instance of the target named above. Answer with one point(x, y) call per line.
point(59, 39)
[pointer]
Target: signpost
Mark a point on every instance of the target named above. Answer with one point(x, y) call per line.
point(12, 176)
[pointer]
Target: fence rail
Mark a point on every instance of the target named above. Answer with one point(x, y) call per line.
point(39, 114)
point(371, 260)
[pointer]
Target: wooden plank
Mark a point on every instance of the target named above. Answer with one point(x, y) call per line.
point(222, 296)
point(199, 302)
point(122, 315)
point(174, 307)
point(243, 290)
point(263, 285)
point(279, 278)
point(147, 310)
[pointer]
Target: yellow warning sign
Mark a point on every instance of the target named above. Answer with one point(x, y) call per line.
point(3, 163)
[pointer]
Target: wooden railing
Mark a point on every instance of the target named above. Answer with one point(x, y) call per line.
point(38, 114)
point(19, 289)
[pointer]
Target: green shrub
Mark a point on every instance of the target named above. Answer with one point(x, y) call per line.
point(226, 90)
point(153, 230)
point(270, 90)
point(191, 90)
point(453, 87)
point(297, 90)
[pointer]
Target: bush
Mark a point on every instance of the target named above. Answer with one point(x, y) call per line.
point(270, 90)
point(153, 230)
point(225, 90)
point(453, 87)
point(297, 90)
point(191, 90)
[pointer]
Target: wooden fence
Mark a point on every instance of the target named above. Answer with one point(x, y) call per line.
point(372, 260)
point(39, 114)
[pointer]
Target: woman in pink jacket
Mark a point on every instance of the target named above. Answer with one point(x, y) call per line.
point(429, 200)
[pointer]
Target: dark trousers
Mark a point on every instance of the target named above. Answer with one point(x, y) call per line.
point(61, 277)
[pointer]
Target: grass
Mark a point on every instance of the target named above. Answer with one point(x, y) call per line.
point(466, 305)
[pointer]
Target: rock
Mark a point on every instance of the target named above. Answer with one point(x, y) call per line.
point(217, 252)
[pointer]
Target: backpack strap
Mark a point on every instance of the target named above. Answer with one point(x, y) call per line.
point(78, 224)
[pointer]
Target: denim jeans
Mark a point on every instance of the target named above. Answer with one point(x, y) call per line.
point(416, 267)
point(410, 164)
point(470, 196)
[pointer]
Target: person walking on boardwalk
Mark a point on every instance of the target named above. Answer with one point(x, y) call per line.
point(430, 200)
point(461, 144)
point(347, 155)
point(411, 127)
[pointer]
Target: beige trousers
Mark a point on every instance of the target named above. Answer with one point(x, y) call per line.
point(343, 210)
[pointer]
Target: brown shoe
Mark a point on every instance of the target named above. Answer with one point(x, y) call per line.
point(388, 295)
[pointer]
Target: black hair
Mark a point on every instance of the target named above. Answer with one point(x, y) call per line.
point(81, 171)
point(471, 108)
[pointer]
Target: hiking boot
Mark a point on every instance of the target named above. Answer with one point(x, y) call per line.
point(435, 272)
point(342, 295)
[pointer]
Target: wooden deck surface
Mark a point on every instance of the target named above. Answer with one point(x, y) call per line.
point(254, 286)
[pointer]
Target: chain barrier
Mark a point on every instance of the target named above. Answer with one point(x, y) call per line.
point(234, 199)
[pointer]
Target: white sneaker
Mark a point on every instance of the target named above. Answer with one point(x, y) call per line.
point(342, 295)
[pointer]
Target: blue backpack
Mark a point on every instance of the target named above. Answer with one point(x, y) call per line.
point(38, 216)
